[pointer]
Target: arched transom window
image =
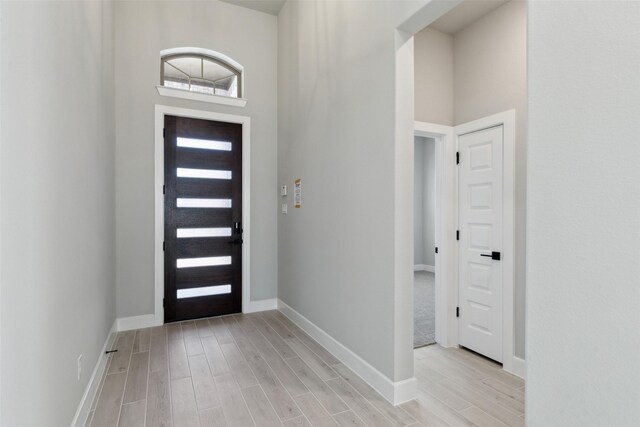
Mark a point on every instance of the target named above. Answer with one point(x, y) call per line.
point(202, 71)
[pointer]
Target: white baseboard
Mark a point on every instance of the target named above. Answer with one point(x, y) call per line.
point(149, 320)
point(136, 322)
point(261, 305)
point(424, 267)
point(404, 391)
point(90, 392)
point(395, 392)
point(516, 366)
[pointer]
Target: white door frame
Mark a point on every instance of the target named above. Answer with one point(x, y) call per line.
point(507, 120)
point(447, 224)
point(160, 112)
point(445, 300)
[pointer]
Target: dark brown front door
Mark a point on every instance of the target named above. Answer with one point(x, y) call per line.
point(203, 214)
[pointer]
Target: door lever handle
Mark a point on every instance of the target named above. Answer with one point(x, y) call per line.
point(237, 228)
point(494, 256)
point(235, 242)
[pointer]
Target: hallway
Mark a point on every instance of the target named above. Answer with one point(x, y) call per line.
point(261, 369)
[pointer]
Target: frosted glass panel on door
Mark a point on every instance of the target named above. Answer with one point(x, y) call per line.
point(203, 262)
point(203, 173)
point(203, 232)
point(204, 291)
point(204, 144)
point(203, 203)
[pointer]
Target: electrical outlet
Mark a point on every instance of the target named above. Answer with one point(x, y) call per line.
point(79, 367)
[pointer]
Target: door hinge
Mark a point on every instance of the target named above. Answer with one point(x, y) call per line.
point(436, 249)
point(164, 132)
point(457, 234)
point(162, 302)
point(163, 246)
point(164, 189)
point(457, 157)
point(457, 311)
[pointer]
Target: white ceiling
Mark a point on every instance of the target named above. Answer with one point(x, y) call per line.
point(465, 14)
point(457, 19)
point(272, 7)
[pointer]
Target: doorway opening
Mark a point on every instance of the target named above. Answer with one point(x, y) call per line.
point(469, 65)
point(434, 147)
point(424, 241)
point(236, 241)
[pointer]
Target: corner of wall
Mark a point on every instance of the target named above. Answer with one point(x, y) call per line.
point(395, 392)
point(403, 212)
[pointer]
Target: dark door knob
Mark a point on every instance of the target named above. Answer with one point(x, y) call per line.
point(494, 256)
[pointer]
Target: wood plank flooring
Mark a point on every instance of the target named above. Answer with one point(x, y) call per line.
point(262, 370)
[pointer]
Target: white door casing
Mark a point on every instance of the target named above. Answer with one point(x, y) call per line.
point(248, 306)
point(480, 210)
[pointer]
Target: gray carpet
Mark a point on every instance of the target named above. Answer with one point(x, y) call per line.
point(424, 308)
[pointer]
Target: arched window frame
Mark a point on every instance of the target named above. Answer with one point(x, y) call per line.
point(210, 55)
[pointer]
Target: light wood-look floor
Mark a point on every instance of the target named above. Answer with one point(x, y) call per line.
point(262, 370)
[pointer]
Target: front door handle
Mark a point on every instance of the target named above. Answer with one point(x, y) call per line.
point(494, 256)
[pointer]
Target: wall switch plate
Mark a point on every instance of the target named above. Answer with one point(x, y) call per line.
point(283, 190)
point(284, 208)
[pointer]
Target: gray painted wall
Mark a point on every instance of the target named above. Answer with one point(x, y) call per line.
point(433, 64)
point(583, 220)
point(418, 201)
point(424, 207)
point(58, 226)
point(143, 29)
point(489, 76)
point(336, 127)
point(429, 209)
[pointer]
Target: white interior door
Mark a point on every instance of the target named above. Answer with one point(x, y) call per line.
point(480, 181)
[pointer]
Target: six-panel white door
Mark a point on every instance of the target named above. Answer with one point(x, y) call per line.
point(480, 222)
